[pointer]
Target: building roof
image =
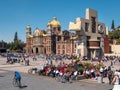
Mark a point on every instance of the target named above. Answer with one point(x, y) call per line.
point(54, 22)
point(36, 32)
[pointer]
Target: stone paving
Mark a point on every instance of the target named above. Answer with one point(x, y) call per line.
point(32, 82)
point(22, 68)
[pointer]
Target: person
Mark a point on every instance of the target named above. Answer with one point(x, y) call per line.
point(110, 74)
point(119, 75)
point(115, 82)
point(17, 76)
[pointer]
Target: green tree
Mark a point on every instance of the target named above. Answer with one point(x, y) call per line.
point(118, 41)
point(17, 45)
point(112, 26)
point(16, 37)
point(10, 45)
point(115, 35)
point(110, 35)
point(15, 41)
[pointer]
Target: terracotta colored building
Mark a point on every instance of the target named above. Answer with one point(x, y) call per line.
point(106, 45)
point(50, 41)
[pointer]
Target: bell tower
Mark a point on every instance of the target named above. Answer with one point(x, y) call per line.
point(28, 31)
point(28, 39)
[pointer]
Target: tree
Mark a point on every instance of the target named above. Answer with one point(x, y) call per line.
point(115, 35)
point(112, 26)
point(15, 37)
point(118, 41)
point(17, 45)
point(15, 41)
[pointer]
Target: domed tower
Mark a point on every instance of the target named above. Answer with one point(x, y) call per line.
point(28, 31)
point(53, 30)
point(28, 39)
point(55, 26)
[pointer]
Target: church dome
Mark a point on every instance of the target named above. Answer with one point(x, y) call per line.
point(36, 32)
point(54, 22)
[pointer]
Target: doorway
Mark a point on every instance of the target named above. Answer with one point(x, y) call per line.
point(36, 50)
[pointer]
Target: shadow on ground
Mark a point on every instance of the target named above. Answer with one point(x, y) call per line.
point(24, 86)
point(1, 76)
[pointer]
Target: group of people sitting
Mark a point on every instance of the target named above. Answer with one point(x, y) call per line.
point(62, 73)
point(72, 71)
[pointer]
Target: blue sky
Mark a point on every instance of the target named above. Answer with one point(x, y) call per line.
point(15, 15)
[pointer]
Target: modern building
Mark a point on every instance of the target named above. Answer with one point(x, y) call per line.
point(90, 33)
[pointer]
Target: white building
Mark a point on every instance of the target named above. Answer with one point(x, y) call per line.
point(90, 34)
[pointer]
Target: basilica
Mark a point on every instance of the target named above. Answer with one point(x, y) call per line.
point(51, 41)
point(88, 39)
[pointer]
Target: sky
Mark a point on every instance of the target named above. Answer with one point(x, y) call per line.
point(15, 15)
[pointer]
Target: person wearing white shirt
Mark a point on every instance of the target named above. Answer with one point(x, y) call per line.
point(115, 81)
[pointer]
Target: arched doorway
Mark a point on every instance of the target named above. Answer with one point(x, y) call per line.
point(36, 50)
point(44, 50)
point(32, 50)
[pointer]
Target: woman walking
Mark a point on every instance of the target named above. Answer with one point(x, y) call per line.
point(115, 81)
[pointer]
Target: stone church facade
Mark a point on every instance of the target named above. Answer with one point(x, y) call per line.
point(50, 41)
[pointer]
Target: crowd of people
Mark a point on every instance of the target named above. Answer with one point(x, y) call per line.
point(66, 72)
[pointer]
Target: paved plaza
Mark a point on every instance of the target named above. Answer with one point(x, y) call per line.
point(45, 83)
point(35, 82)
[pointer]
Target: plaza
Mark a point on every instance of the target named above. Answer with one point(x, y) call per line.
point(43, 83)
point(32, 81)
point(60, 45)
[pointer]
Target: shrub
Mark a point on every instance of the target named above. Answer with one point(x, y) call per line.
point(81, 69)
point(78, 59)
point(88, 65)
point(99, 65)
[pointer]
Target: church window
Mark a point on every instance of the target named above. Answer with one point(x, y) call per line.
point(58, 46)
point(58, 28)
